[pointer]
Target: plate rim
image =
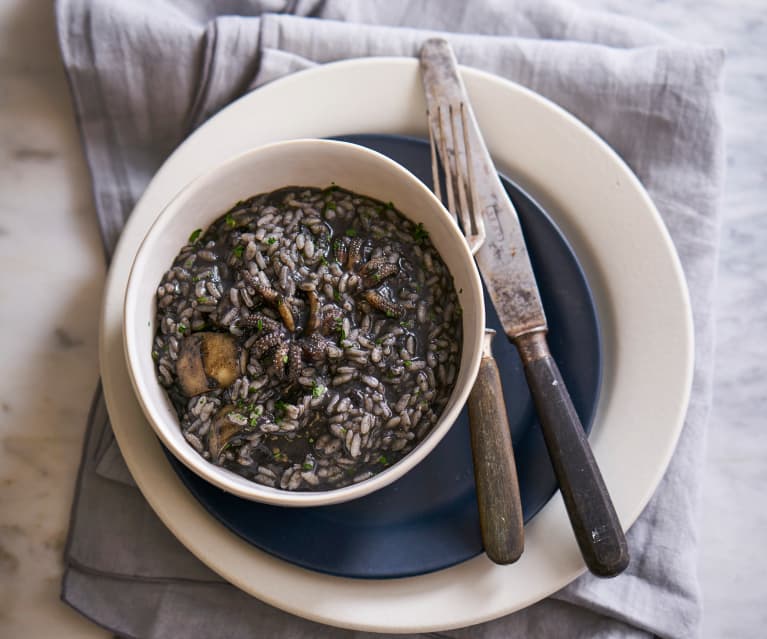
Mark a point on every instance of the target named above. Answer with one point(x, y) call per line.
point(436, 601)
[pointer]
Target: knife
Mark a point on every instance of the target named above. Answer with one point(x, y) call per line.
point(508, 276)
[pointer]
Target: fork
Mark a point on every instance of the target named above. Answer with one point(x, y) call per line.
point(495, 473)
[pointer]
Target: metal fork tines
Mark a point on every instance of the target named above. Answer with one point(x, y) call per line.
point(449, 138)
point(495, 475)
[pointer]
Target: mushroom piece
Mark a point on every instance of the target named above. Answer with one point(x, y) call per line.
point(207, 361)
point(222, 431)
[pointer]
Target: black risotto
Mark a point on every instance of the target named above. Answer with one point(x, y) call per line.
point(308, 339)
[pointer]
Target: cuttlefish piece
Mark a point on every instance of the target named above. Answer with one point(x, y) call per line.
point(260, 321)
point(355, 254)
point(272, 297)
point(340, 250)
point(265, 344)
point(330, 317)
point(315, 318)
point(280, 359)
point(266, 292)
point(377, 271)
point(295, 361)
point(283, 308)
point(379, 302)
point(207, 361)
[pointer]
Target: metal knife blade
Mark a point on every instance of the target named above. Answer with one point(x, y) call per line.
point(502, 259)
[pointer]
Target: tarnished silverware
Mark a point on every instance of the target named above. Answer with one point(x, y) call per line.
point(484, 208)
point(495, 472)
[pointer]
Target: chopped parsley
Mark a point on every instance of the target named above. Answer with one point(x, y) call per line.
point(182, 328)
point(307, 465)
point(382, 460)
point(351, 233)
point(340, 328)
point(407, 363)
point(337, 296)
point(317, 390)
point(324, 261)
point(230, 221)
point(260, 324)
point(330, 205)
point(271, 240)
point(202, 300)
point(420, 233)
point(284, 359)
point(195, 236)
point(238, 250)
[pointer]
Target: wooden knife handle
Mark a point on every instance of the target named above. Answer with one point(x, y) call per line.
point(592, 514)
point(495, 473)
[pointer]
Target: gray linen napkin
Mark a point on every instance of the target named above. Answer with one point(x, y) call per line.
point(144, 74)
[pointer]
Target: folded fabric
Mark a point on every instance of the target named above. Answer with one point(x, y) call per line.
point(143, 75)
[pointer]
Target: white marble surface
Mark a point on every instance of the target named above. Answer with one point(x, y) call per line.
point(49, 355)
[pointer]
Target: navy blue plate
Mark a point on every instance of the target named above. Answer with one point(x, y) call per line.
point(427, 520)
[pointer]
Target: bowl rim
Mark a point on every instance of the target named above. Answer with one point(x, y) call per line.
point(228, 480)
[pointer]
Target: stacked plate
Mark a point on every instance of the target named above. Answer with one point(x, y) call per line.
point(409, 558)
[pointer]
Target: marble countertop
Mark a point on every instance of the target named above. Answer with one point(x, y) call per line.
point(49, 356)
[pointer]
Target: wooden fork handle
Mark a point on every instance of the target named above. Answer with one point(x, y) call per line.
point(592, 514)
point(495, 473)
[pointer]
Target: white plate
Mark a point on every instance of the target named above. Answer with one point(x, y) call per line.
point(629, 260)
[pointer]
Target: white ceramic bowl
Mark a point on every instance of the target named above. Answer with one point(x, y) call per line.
point(316, 163)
